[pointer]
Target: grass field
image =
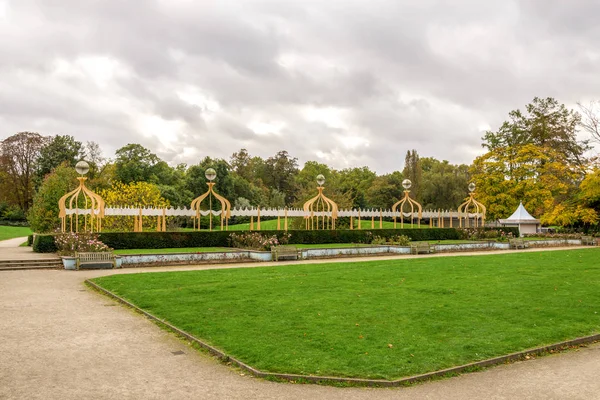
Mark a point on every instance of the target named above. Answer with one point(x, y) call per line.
point(271, 225)
point(379, 319)
point(10, 232)
point(173, 250)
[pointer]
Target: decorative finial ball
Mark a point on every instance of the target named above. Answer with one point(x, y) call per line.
point(471, 187)
point(82, 167)
point(406, 184)
point(210, 174)
point(320, 179)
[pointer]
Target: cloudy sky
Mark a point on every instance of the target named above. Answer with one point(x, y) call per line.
point(347, 83)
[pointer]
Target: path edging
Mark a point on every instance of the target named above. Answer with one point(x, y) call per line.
point(521, 355)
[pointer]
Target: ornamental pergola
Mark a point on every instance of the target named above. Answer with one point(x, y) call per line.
point(478, 210)
point(83, 210)
point(412, 205)
point(86, 209)
point(225, 213)
point(320, 206)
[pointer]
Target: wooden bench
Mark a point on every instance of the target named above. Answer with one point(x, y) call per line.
point(416, 248)
point(285, 252)
point(96, 258)
point(517, 244)
point(588, 241)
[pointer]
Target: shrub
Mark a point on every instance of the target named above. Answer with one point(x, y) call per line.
point(67, 244)
point(257, 241)
point(502, 233)
point(398, 240)
point(44, 243)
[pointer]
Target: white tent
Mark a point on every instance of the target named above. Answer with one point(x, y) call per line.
point(523, 220)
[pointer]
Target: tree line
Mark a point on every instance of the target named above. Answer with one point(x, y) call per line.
point(534, 157)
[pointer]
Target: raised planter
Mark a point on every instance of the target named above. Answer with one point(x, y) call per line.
point(69, 262)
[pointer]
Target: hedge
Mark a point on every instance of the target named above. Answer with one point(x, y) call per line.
point(44, 244)
point(163, 240)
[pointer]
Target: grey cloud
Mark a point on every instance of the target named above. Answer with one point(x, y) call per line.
point(426, 75)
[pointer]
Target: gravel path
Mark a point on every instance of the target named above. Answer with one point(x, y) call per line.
point(60, 340)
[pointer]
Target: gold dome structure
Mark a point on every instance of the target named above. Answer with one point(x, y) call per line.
point(92, 210)
point(320, 206)
point(225, 204)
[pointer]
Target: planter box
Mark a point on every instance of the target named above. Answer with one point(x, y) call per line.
point(69, 263)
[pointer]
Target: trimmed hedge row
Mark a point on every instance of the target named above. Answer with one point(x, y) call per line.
point(163, 240)
point(158, 240)
point(44, 243)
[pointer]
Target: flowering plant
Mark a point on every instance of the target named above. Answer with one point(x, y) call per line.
point(257, 241)
point(70, 243)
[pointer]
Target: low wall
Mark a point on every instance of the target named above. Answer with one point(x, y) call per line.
point(188, 258)
point(251, 255)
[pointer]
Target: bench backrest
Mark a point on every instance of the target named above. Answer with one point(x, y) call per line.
point(95, 256)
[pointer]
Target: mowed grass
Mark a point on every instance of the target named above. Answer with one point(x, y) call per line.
point(271, 225)
point(11, 232)
point(366, 223)
point(174, 250)
point(380, 319)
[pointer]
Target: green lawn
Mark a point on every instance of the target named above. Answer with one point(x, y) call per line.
point(366, 224)
point(271, 225)
point(379, 319)
point(173, 250)
point(10, 232)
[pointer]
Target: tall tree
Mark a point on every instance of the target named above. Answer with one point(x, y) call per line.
point(280, 173)
point(92, 153)
point(412, 170)
point(546, 124)
point(591, 119)
point(355, 182)
point(59, 149)
point(537, 178)
point(444, 185)
point(241, 164)
point(43, 215)
point(135, 163)
point(195, 180)
point(18, 156)
point(385, 190)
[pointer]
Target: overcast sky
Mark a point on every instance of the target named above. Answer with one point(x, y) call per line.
point(347, 83)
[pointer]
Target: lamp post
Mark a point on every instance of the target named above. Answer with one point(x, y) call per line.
point(210, 174)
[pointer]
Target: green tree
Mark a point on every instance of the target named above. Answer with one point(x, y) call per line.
point(280, 173)
point(385, 190)
point(444, 185)
point(43, 215)
point(195, 179)
point(354, 182)
point(412, 170)
point(58, 150)
point(135, 163)
point(18, 157)
point(546, 124)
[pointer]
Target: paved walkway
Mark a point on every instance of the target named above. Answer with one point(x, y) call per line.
point(10, 250)
point(60, 340)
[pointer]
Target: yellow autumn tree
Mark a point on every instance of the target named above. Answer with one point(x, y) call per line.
point(135, 195)
point(532, 174)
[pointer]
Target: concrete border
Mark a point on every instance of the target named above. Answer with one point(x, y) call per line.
point(518, 356)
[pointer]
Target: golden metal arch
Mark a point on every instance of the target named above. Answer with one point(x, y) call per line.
point(323, 206)
point(463, 212)
point(412, 204)
point(225, 208)
point(96, 209)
